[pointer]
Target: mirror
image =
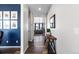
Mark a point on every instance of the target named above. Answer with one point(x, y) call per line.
point(52, 21)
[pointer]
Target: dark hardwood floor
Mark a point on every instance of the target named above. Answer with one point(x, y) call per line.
point(9, 50)
point(37, 46)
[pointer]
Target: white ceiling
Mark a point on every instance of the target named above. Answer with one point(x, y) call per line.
point(44, 9)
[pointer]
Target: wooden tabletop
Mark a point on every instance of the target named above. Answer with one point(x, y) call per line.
point(50, 37)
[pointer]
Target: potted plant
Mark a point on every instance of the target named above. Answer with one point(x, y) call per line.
point(48, 31)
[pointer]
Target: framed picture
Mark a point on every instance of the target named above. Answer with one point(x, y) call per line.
point(14, 25)
point(6, 24)
point(0, 24)
point(52, 21)
point(6, 15)
point(14, 15)
point(0, 15)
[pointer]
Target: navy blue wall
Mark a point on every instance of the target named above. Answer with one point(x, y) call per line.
point(11, 34)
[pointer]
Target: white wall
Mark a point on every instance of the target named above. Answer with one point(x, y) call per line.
point(67, 28)
point(25, 28)
point(31, 26)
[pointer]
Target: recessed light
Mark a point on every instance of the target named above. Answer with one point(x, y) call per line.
point(39, 9)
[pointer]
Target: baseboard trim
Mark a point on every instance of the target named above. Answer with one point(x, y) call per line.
point(25, 50)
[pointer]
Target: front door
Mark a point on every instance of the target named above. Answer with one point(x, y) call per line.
point(39, 28)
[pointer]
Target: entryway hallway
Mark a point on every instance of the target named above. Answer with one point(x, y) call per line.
point(61, 27)
point(37, 36)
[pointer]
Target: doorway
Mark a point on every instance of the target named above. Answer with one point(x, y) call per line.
point(39, 25)
point(39, 28)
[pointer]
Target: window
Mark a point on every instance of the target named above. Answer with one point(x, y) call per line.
point(38, 20)
point(38, 23)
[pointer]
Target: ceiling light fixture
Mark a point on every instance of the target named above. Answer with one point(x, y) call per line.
point(39, 9)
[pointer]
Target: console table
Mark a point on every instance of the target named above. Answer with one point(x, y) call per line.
point(51, 41)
